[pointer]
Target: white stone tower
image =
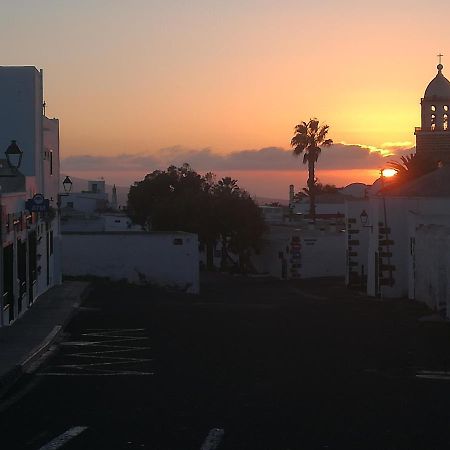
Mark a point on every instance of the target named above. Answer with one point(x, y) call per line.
point(433, 137)
point(114, 198)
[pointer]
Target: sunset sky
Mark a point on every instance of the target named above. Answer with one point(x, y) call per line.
point(140, 84)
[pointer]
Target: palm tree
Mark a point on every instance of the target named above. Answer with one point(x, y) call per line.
point(307, 141)
point(411, 166)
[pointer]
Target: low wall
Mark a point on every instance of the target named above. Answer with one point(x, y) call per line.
point(432, 264)
point(162, 258)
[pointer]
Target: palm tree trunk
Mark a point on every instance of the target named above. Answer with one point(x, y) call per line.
point(312, 188)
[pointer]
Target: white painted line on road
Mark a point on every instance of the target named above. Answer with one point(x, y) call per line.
point(433, 377)
point(112, 374)
point(62, 439)
point(213, 439)
point(101, 352)
point(110, 330)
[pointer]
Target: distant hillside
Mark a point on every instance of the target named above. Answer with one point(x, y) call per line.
point(80, 184)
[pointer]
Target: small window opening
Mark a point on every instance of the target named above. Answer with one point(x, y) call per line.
point(445, 121)
point(445, 107)
point(433, 108)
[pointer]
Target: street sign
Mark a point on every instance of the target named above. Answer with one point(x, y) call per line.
point(37, 204)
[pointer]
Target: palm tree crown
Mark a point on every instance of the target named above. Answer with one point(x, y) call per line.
point(411, 166)
point(308, 139)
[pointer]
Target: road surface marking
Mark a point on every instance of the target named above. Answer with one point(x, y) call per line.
point(62, 439)
point(101, 352)
point(433, 374)
point(213, 439)
point(107, 374)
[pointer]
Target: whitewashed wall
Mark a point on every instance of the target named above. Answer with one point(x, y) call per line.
point(394, 212)
point(139, 258)
point(85, 202)
point(269, 259)
point(357, 241)
point(432, 264)
point(323, 255)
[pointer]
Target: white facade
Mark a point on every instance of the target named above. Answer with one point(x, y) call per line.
point(162, 258)
point(90, 201)
point(29, 261)
point(391, 244)
point(288, 252)
point(358, 235)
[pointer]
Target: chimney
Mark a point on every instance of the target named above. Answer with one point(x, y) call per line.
point(291, 194)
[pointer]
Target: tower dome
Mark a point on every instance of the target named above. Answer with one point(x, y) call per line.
point(439, 87)
point(433, 137)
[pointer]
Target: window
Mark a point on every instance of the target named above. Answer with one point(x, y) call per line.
point(433, 108)
point(70, 204)
point(445, 107)
point(445, 122)
point(94, 187)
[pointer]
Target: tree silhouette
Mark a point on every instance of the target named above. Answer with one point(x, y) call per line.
point(410, 167)
point(181, 199)
point(308, 139)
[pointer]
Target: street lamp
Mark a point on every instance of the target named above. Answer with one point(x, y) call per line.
point(14, 156)
point(67, 185)
point(364, 217)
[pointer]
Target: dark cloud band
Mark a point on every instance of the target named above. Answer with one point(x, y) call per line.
point(338, 156)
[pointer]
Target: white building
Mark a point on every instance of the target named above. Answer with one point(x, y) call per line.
point(92, 200)
point(398, 237)
point(30, 251)
point(167, 259)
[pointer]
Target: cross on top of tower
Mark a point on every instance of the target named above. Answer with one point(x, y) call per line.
point(440, 66)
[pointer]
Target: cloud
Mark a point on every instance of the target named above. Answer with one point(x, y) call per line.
point(338, 156)
point(108, 163)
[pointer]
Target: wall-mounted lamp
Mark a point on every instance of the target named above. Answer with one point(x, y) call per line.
point(67, 184)
point(14, 156)
point(364, 217)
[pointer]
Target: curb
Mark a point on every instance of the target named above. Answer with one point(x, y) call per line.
point(10, 378)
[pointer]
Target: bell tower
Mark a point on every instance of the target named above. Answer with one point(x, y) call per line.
point(433, 137)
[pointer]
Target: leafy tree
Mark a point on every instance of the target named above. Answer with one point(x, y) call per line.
point(180, 199)
point(320, 189)
point(240, 223)
point(307, 141)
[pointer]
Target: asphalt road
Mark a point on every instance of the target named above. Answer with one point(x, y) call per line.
point(275, 365)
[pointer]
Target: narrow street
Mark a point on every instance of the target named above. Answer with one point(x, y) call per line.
point(275, 365)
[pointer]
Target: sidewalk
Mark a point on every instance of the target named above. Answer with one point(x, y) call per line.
point(25, 340)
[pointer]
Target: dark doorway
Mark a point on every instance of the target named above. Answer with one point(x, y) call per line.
point(8, 280)
point(21, 272)
point(377, 274)
point(31, 265)
point(47, 257)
